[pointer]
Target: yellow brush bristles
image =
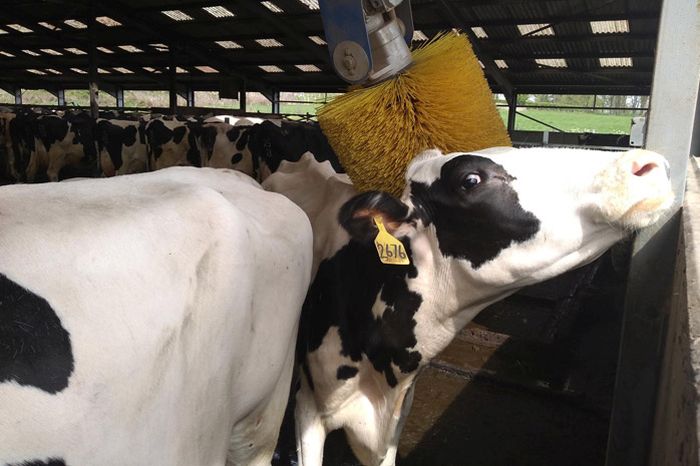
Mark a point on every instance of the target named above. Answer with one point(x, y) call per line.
point(441, 101)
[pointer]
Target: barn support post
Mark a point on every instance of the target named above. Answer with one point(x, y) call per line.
point(18, 96)
point(641, 418)
point(172, 80)
point(61, 97)
point(119, 96)
point(275, 102)
point(188, 95)
point(242, 98)
point(512, 108)
point(92, 64)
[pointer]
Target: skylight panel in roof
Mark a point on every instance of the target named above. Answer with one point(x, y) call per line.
point(552, 62)
point(229, 44)
point(30, 52)
point(75, 51)
point(177, 15)
point(481, 64)
point(2, 31)
point(617, 62)
point(272, 7)
point(123, 70)
point(317, 40)
point(308, 68)
point(49, 26)
point(218, 11)
point(102, 71)
point(19, 28)
point(207, 69)
point(104, 50)
point(271, 69)
point(79, 71)
point(479, 32)
point(107, 21)
point(74, 23)
point(6, 54)
point(159, 47)
point(501, 64)
point(610, 27)
point(310, 4)
point(130, 48)
point(151, 69)
point(180, 70)
point(269, 42)
point(33, 71)
point(51, 52)
point(52, 71)
point(542, 30)
point(419, 36)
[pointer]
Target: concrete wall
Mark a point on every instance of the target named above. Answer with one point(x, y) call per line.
point(675, 440)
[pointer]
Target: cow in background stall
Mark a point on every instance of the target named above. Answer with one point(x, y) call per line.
point(172, 142)
point(121, 145)
point(64, 147)
point(469, 229)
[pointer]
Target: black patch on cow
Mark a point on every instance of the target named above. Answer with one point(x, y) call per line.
point(35, 349)
point(243, 140)
point(342, 295)
point(129, 136)
point(236, 158)
point(179, 134)
point(22, 136)
point(233, 133)
point(271, 144)
point(50, 130)
point(346, 372)
point(207, 138)
point(49, 462)
point(473, 222)
point(194, 156)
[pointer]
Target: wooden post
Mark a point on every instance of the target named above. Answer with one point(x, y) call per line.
point(242, 97)
point(18, 96)
point(276, 102)
point(61, 97)
point(512, 108)
point(172, 82)
point(119, 95)
point(92, 64)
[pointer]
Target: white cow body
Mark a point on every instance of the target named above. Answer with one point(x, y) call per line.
point(476, 227)
point(180, 291)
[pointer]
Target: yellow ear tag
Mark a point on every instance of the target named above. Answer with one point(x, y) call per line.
point(390, 250)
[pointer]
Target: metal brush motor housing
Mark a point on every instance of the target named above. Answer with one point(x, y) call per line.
point(368, 40)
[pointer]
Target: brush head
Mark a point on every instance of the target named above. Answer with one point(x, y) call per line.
point(442, 101)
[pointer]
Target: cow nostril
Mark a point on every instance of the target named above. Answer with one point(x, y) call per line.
point(643, 169)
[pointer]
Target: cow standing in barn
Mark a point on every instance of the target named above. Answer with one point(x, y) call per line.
point(172, 142)
point(476, 228)
point(172, 351)
point(121, 146)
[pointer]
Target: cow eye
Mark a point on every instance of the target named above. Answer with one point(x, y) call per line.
point(471, 180)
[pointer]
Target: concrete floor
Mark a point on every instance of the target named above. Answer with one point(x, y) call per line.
point(529, 383)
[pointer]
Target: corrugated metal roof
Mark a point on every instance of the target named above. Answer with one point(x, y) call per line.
point(228, 36)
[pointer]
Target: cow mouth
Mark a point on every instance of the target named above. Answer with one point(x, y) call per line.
point(646, 211)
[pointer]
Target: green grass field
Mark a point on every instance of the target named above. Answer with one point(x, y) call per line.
point(571, 121)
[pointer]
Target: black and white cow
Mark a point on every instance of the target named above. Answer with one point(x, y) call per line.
point(62, 142)
point(476, 228)
point(172, 142)
point(20, 143)
point(121, 146)
point(223, 145)
point(171, 351)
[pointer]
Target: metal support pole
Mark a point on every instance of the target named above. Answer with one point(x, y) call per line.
point(242, 97)
point(189, 96)
point(512, 108)
point(61, 97)
point(92, 65)
point(172, 82)
point(276, 102)
point(119, 96)
point(18, 96)
point(633, 438)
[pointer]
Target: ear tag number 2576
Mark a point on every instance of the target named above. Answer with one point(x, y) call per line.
point(390, 249)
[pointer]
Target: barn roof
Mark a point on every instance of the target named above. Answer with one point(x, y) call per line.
point(555, 46)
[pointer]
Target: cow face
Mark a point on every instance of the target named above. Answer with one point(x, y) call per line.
point(172, 143)
point(225, 146)
point(513, 217)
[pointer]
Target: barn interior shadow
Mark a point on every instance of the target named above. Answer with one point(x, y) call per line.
point(530, 382)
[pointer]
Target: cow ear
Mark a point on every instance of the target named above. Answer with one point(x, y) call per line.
point(357, 215)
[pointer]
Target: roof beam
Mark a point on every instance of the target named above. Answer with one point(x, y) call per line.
point(455, 17)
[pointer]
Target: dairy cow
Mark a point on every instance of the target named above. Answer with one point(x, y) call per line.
point(172, 142)
point(63, 142)
point(223, 145)
point(122, 146)
point(173, 351)
point(476, 227)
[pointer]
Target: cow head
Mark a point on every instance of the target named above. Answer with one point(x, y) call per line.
point(505, 218)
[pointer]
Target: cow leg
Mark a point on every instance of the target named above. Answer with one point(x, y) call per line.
point(398, 424)
point(253, 439)
point(32, 166)
point(311, 434)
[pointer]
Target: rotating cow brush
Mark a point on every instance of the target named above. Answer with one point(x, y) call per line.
point(439, 99)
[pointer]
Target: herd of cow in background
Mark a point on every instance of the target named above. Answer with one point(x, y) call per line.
point(56, 145)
